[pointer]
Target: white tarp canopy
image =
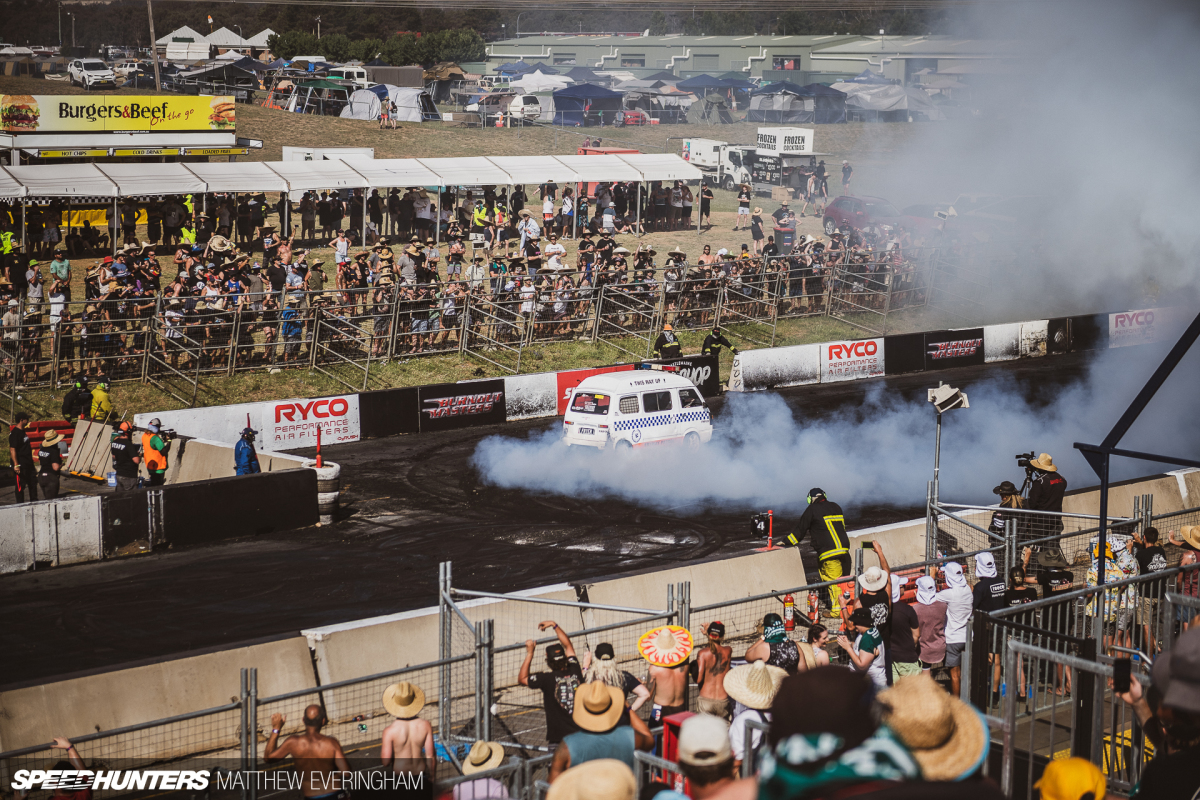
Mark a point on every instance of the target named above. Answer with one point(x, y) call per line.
point(10, 187)
point(388, 172)
point(601, 167)
point(535, 169)
point(138, 180)
point(885, 97)
point(307, 175)
point(64, 180)
point(471, 171)
point(248, 176)
point(537, 81)
point(661, 167)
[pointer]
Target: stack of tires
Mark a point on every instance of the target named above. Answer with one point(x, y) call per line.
point(329, 478)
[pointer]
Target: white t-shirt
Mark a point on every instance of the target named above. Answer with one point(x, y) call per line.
point(959, 602)
point(548, 207)
point(527, 295)
point(877, 671)
point(738, 731)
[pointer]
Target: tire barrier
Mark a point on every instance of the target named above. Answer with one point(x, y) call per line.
point(329, 487)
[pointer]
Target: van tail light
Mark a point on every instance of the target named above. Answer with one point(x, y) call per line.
point(567, 422)
point(604, 427)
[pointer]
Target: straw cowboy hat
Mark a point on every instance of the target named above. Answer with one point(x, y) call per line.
point(873, 579)
point(1191, 535)
point(757, 209)
point(601, 779)
point(524, 212)
point(203, 306)
point(648, 251)
point(52, 438)
point(666, 646)
point(621, 251)
point(1044, 462)
point(754, 685)
point(220, 244)
point(483, 756)
point(1053, 558)
point(947, 737)
point(676, 252)
point(598, 707)
point(403, 699)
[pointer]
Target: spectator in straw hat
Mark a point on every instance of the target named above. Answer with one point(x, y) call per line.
point(602, 779)
point(667, 649)
point(408, 740)
point(482, 757)
point(49, 464)
point(947, 737)
point(599, 709)
point(603, 668)
point(1046, 494)
point(753, 686)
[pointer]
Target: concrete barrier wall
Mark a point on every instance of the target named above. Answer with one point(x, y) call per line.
point(36, 714)
point(203, 459)
point(54, 532)
point(1167, 497)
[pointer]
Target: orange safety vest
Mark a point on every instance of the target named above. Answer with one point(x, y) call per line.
point(150, 456)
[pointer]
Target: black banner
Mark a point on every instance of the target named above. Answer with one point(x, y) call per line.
point(388, 412)
point(1089, 332)
point(704, 371)
point(224, 508)
point(1058, 336)
point(904, 353)
point(945, 349)
point(448, 406)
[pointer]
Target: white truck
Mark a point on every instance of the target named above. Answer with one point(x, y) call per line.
point(727, 165)
point(356, 76)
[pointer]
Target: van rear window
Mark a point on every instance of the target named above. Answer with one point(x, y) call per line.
point(589, 403)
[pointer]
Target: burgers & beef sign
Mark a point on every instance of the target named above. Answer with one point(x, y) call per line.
point(81, 113)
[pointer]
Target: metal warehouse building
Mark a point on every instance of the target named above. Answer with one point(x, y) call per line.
point(798, 59)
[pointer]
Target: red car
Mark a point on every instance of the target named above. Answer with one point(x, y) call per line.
point(863, 212)
point(637, 118)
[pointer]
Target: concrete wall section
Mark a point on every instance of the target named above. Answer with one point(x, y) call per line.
point(51, 532)
point(771, 368)
point(76, 706)
point(529, 396)
point(201, 459)
point(1167, 497)
point(902, 542)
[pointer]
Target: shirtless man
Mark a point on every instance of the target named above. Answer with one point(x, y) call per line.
point(318, 758)
point(407, 742)
point(668, 685)
point(712, 663)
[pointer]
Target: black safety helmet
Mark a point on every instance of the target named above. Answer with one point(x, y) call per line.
point(814, 493)
point(103, 382)
point(249, 433)
point(81, 381)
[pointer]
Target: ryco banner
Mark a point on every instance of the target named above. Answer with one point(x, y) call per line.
point(960, 348)
point(290, 424)
point(1145, 326)
point(852, 360)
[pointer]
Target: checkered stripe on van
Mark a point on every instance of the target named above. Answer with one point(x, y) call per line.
point(700, 415)
point(643, 422)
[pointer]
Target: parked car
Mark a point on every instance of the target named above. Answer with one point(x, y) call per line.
point(635, 117)
point(91, 73)
point(125, 67)
point(849, 211)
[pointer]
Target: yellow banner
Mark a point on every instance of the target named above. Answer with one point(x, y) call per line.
point(215, 151)
point(76, 113)
point(71, 153)
point(147, 151)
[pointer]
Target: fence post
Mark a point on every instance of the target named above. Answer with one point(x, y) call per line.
point(599, 314)
point(252, 729)
point(1010, 546)
point(443, 652)
point(978, 684)
point(488, 657)
point(1085, 744)
point(480, 708)
point(244, 733)
point(685, 605)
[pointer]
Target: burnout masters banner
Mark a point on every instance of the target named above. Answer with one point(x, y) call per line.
point(89, 113)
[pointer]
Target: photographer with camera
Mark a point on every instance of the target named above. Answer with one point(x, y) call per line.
point(155, 443)
point(1046, 492)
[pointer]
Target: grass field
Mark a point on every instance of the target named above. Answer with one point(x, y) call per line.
point(865, 145)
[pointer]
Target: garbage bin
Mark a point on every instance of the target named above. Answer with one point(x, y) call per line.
point(784, 238)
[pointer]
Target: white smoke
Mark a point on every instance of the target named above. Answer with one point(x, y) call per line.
point(874, 453)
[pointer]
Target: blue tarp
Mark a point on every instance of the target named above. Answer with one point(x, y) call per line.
point(514, 68)
point(866, 76)
point(701, 82)
point(545, 68)
point(570, 103)
point(583, 74)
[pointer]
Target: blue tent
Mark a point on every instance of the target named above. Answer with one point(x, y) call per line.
point(545, 68)
point(585, 75)
point(514, 68)
point(585, 103)
point(811, 90)
point(701, 82)
point(738, 83)
point(866, 76)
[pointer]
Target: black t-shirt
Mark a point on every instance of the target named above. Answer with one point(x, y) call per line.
point(989, 594)
point(743, 199)
point(1055, 581)
point(1171, 777)
point(277, 276)
point(19, 441)
point(1021, 596)
point(558, 698)
point(901, 644)
point(123, 453)
point(1150, 559)
point(47, 458)
point(879, 605)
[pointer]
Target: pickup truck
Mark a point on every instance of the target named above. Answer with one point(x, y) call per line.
point(91, 73)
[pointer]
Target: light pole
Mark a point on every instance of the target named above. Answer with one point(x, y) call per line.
point(944, 398)
point(519, 25)
point(773, 23)
point(318, 27)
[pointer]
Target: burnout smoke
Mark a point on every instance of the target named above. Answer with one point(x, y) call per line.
point(877, 452)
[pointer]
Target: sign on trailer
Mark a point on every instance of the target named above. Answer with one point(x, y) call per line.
point(75, 113)
point(784, 141)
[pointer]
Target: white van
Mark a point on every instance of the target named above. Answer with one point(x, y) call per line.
point(355, 75)
point(623, 410)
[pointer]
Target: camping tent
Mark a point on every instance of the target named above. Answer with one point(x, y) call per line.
point(866, 76)
point(412, 104)
point(585, 75)
point(514, 68)
point(663, 75)
point(439, 77)
point(886, 102)
point(585, 103)
point(711, 109)
point(785, 102)
point(701, 83)
point(544, 68)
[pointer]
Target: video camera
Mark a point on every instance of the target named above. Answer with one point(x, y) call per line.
point(1023, 460)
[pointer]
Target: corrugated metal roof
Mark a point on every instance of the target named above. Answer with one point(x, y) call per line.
point(671, 40)
point(922, 47)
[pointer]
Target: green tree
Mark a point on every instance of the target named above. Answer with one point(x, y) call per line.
point(658, 23)
point(365, 49)
point(461, 44)
point(401, 51)
point(292, 43)
point(335, 47)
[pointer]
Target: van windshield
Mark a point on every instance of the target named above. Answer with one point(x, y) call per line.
point(590, 403)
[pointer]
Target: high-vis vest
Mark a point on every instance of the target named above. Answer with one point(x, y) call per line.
point(154, 460)
point(6, 243)
point(479, 218)
point(826, 524)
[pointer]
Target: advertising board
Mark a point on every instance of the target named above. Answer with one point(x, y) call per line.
point(851, 360)
point(91, 113)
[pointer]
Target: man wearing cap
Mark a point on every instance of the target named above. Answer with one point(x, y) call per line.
point(408, 742)
point(598, 711)
point(77, 402)
point(49, 464)
point(558, 686)
point(705, 756)
point(1010, 498)
point(245, 459)
point(1046, 494)
point(867, 652)
point(125, 458)
point(60, 268)
point(847, 171)
point(667, 345)
point(712, 663)
point(825, 521)
point(1173, 774)
point(959, 604)
point(154, 452)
